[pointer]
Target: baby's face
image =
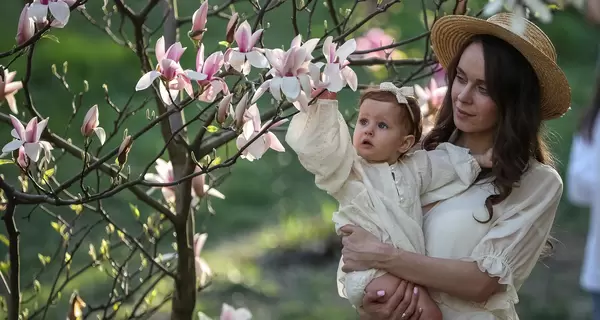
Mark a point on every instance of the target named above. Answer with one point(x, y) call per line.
point(379, 135)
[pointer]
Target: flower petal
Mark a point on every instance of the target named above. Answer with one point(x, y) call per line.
point(33, 151)
point(254, 38)
point(146, 80)
point(260, 91)
point(213, 192)
point(38, 12)
point(40, 129)
point(290, 86)
point(257, 59)
point(237, 59)
point(350, 77)
point(101, 134)
point(199, 241)
point(242, 36)
point(159, 48)
point(60, 11)
point(19, 128)
point(345, 50)
point(194, 75)
point(275, 88)
point(274, 143)
point(12, 146)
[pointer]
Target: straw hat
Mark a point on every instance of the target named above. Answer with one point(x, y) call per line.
point(449, 34)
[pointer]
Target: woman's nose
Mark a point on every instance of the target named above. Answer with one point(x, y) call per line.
point(465, 94)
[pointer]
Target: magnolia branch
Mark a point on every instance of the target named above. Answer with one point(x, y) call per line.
point(13, 253)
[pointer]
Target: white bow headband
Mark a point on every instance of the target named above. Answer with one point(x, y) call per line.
point(401, 94)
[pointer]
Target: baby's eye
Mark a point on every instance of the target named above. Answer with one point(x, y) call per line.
point(363, 122)
point(382, 125)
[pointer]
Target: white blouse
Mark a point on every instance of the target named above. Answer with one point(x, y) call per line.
point(507, 247)
point(583, 181)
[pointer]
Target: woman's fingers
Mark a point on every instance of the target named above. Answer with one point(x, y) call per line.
point(412, 307)
point(417, 315)
point(402, 307)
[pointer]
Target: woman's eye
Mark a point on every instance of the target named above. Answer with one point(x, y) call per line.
point(460, 78)
point(382, 125)
point(483, 90)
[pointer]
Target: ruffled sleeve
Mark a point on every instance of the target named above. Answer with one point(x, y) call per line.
point(444, 171)
point(321, 139)
point(518, 235)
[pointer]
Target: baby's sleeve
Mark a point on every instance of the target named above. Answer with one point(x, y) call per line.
point(322, 142)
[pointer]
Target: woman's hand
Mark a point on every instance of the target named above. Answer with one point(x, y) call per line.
point(402, 305)
point(362, 250)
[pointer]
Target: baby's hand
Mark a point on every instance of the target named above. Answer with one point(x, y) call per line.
point(325, 95)
point(485, 160)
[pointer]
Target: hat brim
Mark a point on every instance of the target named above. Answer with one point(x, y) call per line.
point(450, 33)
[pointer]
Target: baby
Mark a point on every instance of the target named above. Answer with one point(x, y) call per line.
point(379, 185)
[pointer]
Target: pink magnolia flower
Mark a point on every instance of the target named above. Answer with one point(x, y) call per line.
point(290, 76)
point(431, 97)
point(373, 39)
point(230, 313)
point(26, 28)
point(203, 272)
point(28, 137)
point(251, 129)
point(246, 55)
point(8, 89)
point(206, 75)
point(91, 124)
point(199, 22)
point(170, 71)
point(164, 174)
point(59, 9)
point(338, 73)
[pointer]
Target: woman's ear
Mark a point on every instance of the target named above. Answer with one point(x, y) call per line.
point(407, 142)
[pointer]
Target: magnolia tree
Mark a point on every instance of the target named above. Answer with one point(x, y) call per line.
point(227, 85)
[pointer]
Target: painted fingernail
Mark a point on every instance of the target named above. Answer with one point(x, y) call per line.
point(380, 293)
point(415, 290)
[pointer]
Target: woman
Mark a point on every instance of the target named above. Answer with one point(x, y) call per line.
point(583, 179)
point(483, 243)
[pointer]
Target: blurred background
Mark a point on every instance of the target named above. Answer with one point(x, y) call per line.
point(270, 243)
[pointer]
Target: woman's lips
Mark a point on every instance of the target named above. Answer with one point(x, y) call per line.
point(463, 113)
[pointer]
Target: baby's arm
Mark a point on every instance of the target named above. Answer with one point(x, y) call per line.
point(321, 139)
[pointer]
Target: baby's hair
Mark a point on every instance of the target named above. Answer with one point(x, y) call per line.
point(415, 126)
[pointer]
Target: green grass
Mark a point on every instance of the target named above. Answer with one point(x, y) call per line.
point(272, 204)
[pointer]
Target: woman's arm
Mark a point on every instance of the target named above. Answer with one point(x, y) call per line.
point(459, 278)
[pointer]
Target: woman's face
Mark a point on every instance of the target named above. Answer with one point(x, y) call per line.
point(473, 109)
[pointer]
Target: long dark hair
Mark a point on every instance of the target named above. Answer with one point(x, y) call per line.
point(514, 87)
point(589, 119)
